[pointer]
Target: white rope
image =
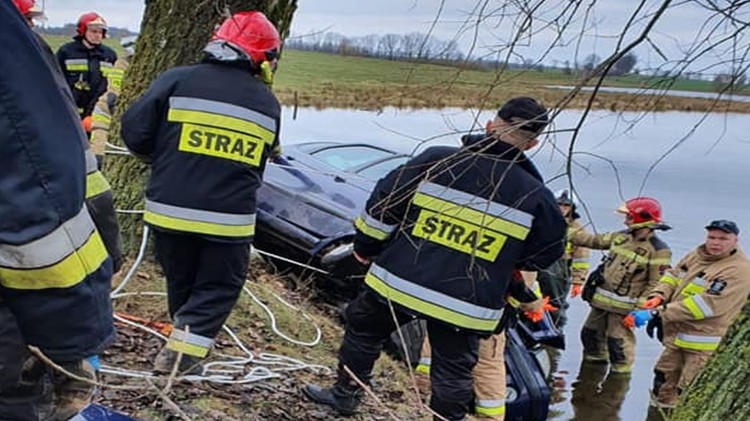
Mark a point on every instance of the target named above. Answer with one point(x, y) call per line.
point(136, 263)
point(275, 329)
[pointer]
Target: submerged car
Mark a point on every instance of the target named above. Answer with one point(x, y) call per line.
point(307, 204)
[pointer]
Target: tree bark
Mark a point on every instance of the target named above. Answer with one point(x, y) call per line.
point(722, 390)
point(173, 33)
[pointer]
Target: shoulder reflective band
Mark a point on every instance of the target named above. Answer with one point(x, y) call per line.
point(432, 303)
point(189, 343)
point(222, 115)
point(670, 280)
point(611, 299)
point(372, 227)
point(696, 286)
point(60, 259)
point(490, 407)
point(698, 307)
point(697, 343)
point(77, 65)
point(199, 221)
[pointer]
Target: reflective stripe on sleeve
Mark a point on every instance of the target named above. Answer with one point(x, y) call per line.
point(670, 280)
point(432, 303)
point(490, 407)
point(189, 343)
point(77, 65)
point(372, 227)
point(579, 263)
point(697, 343)
point(61, 259)
point(609, 298)
point(199, 221)
point(424, 365)
point(698, 307)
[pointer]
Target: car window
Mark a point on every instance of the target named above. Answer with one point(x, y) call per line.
point(379, 170)
point(346, 158)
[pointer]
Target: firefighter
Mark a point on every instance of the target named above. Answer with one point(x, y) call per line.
point(101, 118)
point(207, 130)
point(636, 260)
point(489, 372)
point(54, 268)
point(444, 233)
point(86, 62)
point(555, 281)
point(693, 306)
point(29, 10)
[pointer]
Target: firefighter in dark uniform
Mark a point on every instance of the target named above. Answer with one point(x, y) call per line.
point(86, 62)
point(445, 232)
point(54, 268)
point(207, 130)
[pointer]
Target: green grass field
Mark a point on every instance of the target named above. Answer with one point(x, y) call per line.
point(55, 41)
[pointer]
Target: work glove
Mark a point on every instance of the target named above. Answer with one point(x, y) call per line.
point(637, 318)
point(86, 123)
point(575, 290)
point(653, 302)
point(655, 325)
point(536, 316)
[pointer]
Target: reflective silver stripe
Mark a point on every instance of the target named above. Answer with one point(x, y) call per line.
point(702, 305)
point(215, 107)
point(91, 165)
point(74, 61)
point(700, 282)
point(699, 339)
point(580, 260)
point(434, 297)
point(191, 338)
point(105, 64)
point(611, 295)
point(378, 225)
point(480, 204)
point(51, 248)
point(489, 403)
point(200, 215)
point(425, 361)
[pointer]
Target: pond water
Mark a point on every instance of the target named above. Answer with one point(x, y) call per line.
point(697, 165)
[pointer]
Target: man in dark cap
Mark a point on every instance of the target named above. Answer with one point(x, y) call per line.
point(693, 306)
point(444, 233)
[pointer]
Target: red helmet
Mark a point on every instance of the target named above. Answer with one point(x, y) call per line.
point(644, 211)
point(87, 19)
point(28, 8)
point(252, 33)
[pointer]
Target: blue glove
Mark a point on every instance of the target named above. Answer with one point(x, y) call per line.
point(641, 317)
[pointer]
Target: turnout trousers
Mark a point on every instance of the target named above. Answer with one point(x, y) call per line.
point(675, 370)
point(489, 376)
point(605, 338)
point(204, 280)
point(370, 323)
point(25, 391)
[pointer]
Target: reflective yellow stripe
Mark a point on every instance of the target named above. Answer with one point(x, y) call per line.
point(372, 227)
point(424, 365)
point(661, 261)
point(670, 280)
point(64, 274)
point(692, 289)
point(490, 408)
point(220, 143)
point(609, 298)
point(199, 221)
point(536, 289)
point(96, 184)
point(440, 306)
point(77, 67)
point(697, 343)
point(629, 254)
point(568, 248)
point(513, 302)
point(580, 265)
point(445, 208)
point(698, 307)
point(98, 116)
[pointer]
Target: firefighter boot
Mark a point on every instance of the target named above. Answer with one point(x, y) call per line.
point(71, 395)
point(166, 359)
point(344, 396)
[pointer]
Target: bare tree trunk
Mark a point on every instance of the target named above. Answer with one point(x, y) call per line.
point(173, 33)
point(722, 390)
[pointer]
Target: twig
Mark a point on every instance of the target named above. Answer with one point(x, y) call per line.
point(175, 367)
point(369, 392)
point(169, 402)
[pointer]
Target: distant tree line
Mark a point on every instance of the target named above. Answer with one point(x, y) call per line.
point(70, 30)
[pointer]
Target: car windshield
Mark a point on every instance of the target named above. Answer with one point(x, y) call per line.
point(379, 170)
point(348, 158)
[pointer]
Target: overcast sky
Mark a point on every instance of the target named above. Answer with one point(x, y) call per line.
point(457, 19)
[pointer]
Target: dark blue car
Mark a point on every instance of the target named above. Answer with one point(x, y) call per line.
point(306, 208)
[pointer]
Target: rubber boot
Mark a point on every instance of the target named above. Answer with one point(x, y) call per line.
point(166, 358)
point(344, 396)
point(72, 395)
